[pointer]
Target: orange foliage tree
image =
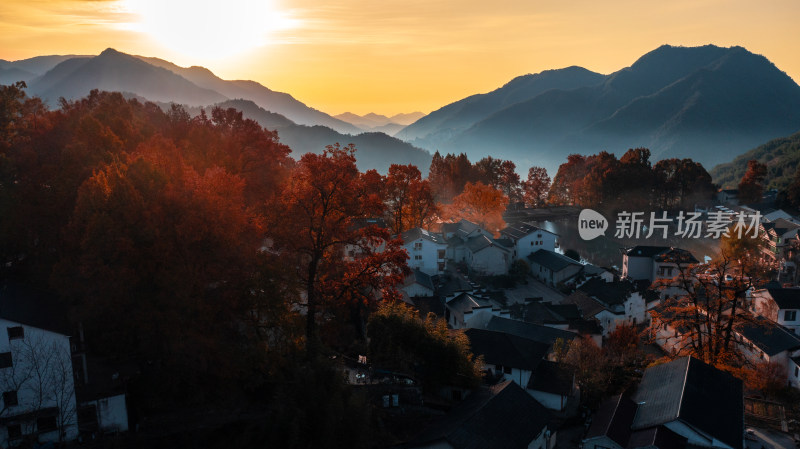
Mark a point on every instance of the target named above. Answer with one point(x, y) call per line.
point(480, 204)
point(317, 208)
point(408, 198)
point(535, 188)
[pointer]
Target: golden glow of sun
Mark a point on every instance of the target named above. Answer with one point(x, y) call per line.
point(204, 29)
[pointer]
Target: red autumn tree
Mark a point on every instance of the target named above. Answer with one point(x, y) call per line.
point(479, 204)
point(535, 188)
point(408, 198)
point(315, 223)
point(751, 186)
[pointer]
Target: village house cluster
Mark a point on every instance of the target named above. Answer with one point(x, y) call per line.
point(51, 388)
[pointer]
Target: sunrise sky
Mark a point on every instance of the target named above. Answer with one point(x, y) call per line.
point(391, 56)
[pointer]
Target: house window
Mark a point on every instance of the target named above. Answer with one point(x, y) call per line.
point(418, 257)
point(10, 398)
point(498, 368)
point(46, 424)
point(441, 266)
point(790, 315)
point(5, 360)
point(14, 431)
point(417, 246)
point(16, 332)
point(796, 370)
point(538, 236)
point(440, 254)
point(507, 369)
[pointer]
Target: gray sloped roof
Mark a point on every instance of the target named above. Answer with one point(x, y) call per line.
point(551, 260)
point(535, 332)
point(500, 417)
point(768, 336)
point(481, 242)
point(500, 348)
point(465, 302)
point(786, 298)
point(613, 419)
point(419, 233)
point(694, 392)
point(517, 231)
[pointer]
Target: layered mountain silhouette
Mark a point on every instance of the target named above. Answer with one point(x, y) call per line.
point(708, 103)
point(303, 128)
point(380, 123)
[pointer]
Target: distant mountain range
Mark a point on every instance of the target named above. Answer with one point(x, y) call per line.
point(708, 103)
point(781, 156)
point(380, 123)
point(303, 128)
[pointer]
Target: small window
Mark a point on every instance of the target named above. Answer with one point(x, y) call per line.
point(507, 369)
point(10, 399)
point(417, 246)
point(790, 315)
point(16, 332)
point(14, 431)
point(796, 370)
point(46, 424)
point(498, 367)
point(417, 257)
point(456, 395)
point(5, 360)
point(440, 254)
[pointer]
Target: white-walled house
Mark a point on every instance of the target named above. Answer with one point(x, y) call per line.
point(36, 379)
point(427, 251)
point(418, 283)
point(551, 267)
point(655, 262)
point(487, 256)
point(469, 310)
point(611, 303)
point(528, 239)
point(781, 305)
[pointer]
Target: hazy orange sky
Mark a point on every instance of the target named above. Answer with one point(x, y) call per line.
point(390, 56)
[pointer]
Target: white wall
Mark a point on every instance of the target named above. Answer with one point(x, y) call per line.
point(533, 242)
point(112, 414)
point(51, 385)
point(426, 257)
point(491, 261)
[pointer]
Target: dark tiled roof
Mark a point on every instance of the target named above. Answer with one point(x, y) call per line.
point(588, 306)
point(613, 419)
point(566, 311)
point(553, 261)
point(460, 228)
point(550, 377)
point(611, 293)
point(660, 437)
point(768, 336)
point(534, 312)
point(422, 279)
point(786, 298)
point(427, 304)
point(33, 307)
point(481, 242)
point(698, 394)
point(466, 302)
point(676, 255)
point(586, 327)
point(645, 251)
point(500, 348)
point(517, 231)
point(419, 233)
point(535, 332)
point(500, 417)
